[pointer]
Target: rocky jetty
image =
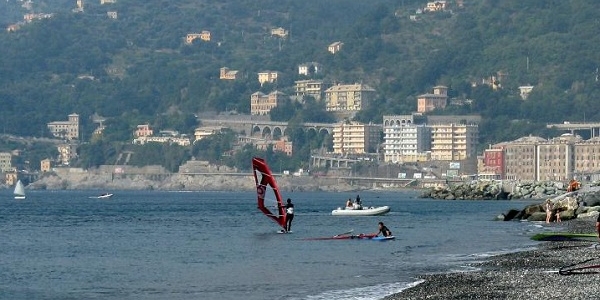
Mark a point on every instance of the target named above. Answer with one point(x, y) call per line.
point(201, 182)
point(495, 190)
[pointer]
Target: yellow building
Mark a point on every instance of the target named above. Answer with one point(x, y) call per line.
point(356, 138)
point(267, 76)
point(261, 104)
point(66, 129)
point(451, 142)
point(429, 102)
point(348, 97)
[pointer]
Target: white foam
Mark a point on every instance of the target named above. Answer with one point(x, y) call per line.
point(373, 292)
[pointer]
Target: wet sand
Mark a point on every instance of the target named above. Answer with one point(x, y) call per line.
point(522, 275)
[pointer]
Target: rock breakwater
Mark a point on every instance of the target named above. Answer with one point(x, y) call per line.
point(495, 190)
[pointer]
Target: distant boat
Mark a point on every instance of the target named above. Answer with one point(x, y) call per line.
point(19, 191)
point(103, 196)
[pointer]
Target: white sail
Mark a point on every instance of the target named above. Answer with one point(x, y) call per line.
point(19, 190)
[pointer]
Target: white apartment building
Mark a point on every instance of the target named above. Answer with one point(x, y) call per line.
point(405, 143)
point(355, 138)
point(309, 87)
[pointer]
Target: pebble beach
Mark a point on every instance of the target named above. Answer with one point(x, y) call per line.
point(522, 275)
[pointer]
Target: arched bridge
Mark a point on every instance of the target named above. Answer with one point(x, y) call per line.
point(264, 128)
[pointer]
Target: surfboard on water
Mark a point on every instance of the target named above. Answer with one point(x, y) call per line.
point(269, 199)
point(565, 236)
point(366, 237)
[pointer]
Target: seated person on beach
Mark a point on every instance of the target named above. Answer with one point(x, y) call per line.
point(383, 230)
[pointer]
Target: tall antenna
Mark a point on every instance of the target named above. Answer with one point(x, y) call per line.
point(527, 63)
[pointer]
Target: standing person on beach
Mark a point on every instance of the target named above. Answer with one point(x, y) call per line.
point(548, 208)
point(289, 215)
point(598, 226)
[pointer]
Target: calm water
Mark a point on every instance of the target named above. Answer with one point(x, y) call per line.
point(216, 245)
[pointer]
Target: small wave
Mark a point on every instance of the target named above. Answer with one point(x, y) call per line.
point(373, 292)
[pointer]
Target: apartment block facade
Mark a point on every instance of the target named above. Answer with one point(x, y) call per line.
point(5, 162)
point(450, 142)
point(313, 88)
point(405, 141)
point(65, 129)
point(348, 97)
point(355, 138)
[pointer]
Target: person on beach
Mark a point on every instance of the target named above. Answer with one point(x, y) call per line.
point(598, 226)
point(383, 230)
point(548, 208)
point(289, 215)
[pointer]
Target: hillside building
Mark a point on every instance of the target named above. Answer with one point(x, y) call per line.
point(65, 129)
point(437, 100)
point(261, 104)
point(348, 97)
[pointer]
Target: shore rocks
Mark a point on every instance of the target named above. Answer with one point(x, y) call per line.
point(496, 190)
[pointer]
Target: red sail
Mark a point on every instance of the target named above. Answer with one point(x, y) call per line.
point(269, 199)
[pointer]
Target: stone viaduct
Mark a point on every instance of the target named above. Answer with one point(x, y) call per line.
point(264, 128)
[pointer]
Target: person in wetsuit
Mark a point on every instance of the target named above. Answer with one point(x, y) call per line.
point(383, 230)
point(289, 212)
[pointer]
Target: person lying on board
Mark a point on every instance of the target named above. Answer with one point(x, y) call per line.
point(383, 230)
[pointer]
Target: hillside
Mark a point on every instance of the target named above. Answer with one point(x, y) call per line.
point(137, 69)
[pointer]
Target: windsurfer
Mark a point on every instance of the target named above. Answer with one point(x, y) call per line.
point(383, 230)
point(289, 215)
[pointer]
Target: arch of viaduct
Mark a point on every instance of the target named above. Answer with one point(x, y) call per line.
point(268, 128)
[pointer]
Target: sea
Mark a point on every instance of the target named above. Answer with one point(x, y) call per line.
point(218, 245)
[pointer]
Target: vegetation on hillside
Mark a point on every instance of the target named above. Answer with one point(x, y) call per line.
point(137, 69)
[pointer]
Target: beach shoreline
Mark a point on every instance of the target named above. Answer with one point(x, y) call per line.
point(531, 274)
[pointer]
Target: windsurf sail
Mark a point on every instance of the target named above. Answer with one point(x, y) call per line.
point(267, 191)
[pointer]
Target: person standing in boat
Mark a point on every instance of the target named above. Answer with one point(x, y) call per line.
point(383, 230)
point(289, 215)
point(358, 200)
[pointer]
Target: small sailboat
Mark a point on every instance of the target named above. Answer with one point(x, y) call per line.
point(19, 191)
